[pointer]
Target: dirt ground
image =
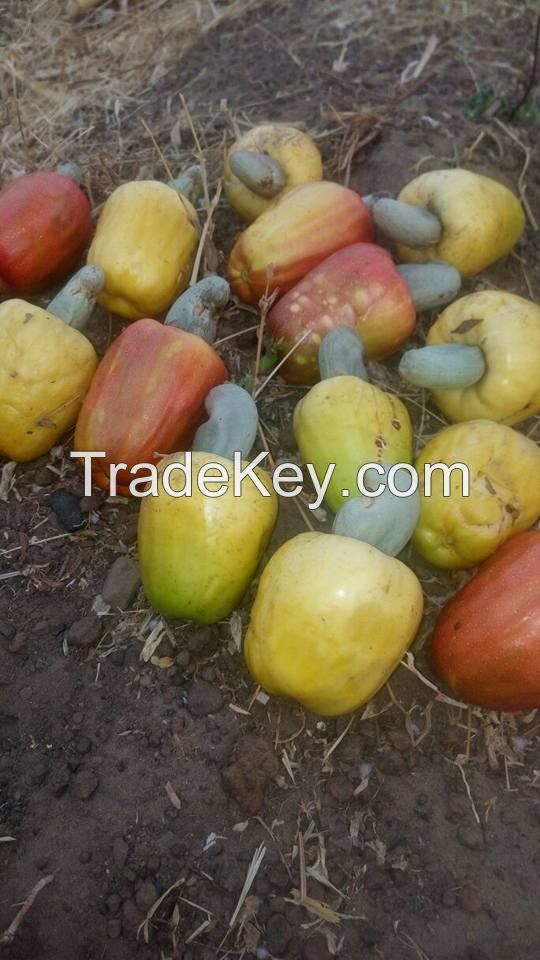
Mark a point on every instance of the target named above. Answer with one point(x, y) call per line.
point(146, 783)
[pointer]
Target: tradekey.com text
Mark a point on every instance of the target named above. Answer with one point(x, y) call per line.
point(214, 479)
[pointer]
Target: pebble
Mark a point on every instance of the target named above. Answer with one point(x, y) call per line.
point(121, 583)
point(85, 633)
point(202, 637)
point(183, 658)
point(84, 746)
point(146, 896)
point(278, 935)
point(67, 509)
point(85, 785)
point(204, 699)
point(117, 657)
point(43, 477)
point(246, 778)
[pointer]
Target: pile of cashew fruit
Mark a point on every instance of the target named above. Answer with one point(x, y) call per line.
point(340, 279)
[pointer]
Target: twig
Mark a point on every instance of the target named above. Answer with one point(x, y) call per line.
point(157, 148)
point(204, 234)
point(337, 742)
point(265, 303)
point(199, 152)
point(232, 336)
point(409, 664)
point(9, 935)
point(278, 366)
point(468, 789)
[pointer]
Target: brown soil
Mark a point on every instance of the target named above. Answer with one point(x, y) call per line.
point(125, 779)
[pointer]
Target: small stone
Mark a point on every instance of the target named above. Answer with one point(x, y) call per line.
point(316, 949)
point(201, 637)
point(114, 927)
point(254, 766)
point(204, 699)
point(183, 658)
point(67, 509)
point(85, 785)
point(340, 788)
point(278, 935)
point(121, 583)
point(43, 477)
point(146, 896)
point(470, 837)
point(85, 633)
point(469, 900)
point(84, 746)
point(119, 852)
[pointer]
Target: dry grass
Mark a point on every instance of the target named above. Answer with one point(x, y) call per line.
point(95, 75)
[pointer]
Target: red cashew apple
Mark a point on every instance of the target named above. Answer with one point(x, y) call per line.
point(358, 287)
point(486, 644)
point(298, 231)
point(45, 224)
point(146, 398)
